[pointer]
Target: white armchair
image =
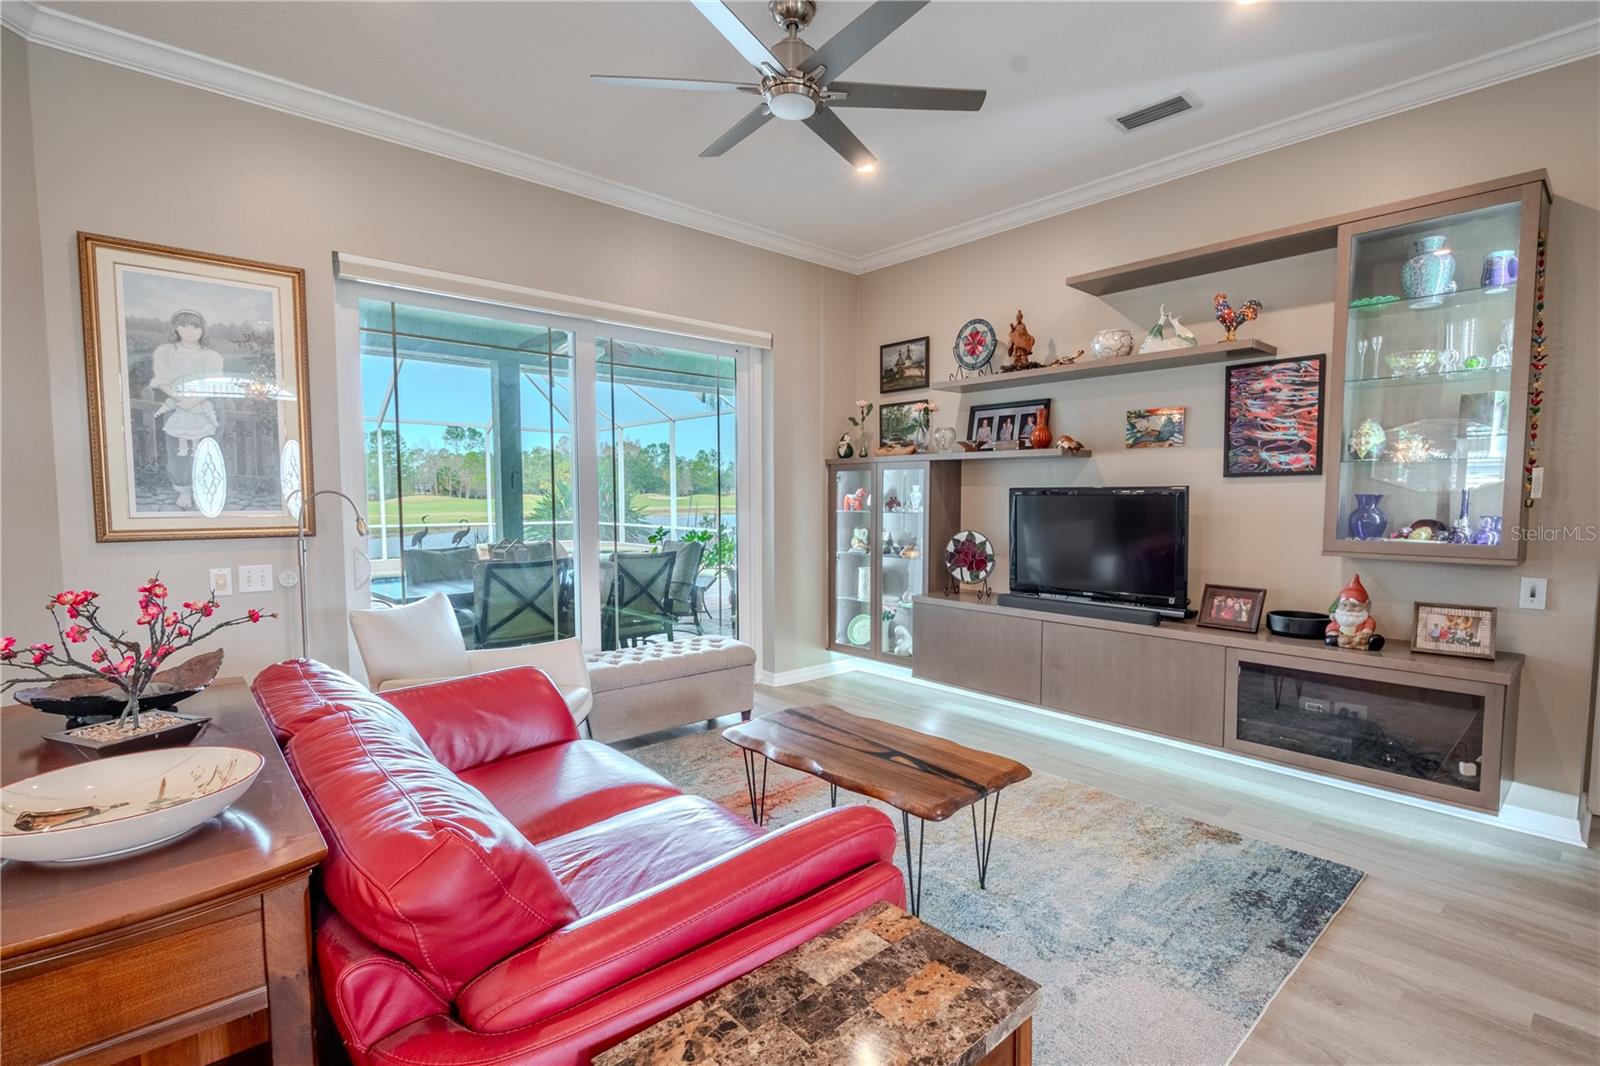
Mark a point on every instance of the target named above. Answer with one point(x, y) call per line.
point(419, 642)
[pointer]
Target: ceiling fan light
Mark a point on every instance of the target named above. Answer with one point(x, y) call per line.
point(866, 168)
point(791, 103)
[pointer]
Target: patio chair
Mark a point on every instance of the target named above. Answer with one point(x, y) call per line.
point(638, 605)
point(425, 567)
point(685, 568)
point(521, 603)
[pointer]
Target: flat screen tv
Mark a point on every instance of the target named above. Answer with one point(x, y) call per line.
point(1124, 546)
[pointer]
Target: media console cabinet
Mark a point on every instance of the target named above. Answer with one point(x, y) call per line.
point(1439, 727)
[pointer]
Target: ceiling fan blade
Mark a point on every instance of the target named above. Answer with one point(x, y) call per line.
point(674, 83)
point(865, 32)
point(831, 128)
point(910, 97)
point(738, 34)
point(741, 129)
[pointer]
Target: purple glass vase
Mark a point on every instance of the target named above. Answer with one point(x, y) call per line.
point(1489, 530)
point(1367, 521)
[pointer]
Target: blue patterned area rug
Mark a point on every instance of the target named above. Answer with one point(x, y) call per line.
point(1157, 939)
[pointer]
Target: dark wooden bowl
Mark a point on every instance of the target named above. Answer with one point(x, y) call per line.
point(87, 699)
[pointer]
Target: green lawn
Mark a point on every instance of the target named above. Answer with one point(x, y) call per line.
point(445, 511)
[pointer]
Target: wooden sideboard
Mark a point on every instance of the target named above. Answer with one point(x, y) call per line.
point(1189, 682)
point(185, 953)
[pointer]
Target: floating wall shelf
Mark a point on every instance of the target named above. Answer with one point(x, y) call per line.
point(969, 457)
point(1200, 355)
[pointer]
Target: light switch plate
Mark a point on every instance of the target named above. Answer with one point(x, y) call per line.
point(222, 581)
point(1533, 592)
point(256, 578)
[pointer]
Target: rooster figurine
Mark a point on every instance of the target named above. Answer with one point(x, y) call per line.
point(1232, 318)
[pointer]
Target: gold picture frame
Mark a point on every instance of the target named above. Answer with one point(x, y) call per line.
point(198, 392)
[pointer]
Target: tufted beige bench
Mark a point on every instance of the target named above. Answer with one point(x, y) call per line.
point(659, 685)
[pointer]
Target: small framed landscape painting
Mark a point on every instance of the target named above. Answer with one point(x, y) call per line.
point(199, 424)
point(1154, 427)
point(897, 422)
point(1230, 607)
point(1451, 629)
point(1009, 424)
point(1273, 419)
point(903, 365)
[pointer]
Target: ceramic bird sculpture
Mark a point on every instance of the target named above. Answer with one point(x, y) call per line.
point(1231, 318)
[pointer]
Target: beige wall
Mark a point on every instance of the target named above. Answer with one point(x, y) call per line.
point(134, 156)
point(1268, 532)
point(30, 556)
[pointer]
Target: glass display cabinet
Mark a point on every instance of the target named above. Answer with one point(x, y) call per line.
point(1428, 379)
point(884, 516)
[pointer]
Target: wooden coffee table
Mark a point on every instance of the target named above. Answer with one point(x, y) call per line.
point(880, 987)
point(923, 777)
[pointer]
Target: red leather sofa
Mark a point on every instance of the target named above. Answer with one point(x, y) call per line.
point(499, 891)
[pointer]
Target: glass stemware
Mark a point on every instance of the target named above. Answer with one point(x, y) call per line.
point(1377, 354)
point(1361, 359)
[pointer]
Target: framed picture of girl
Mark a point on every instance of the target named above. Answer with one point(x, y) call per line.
point(199, 420)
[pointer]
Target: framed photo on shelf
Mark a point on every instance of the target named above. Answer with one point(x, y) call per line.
point(903, 365)
point(199, 416)
point(1273, 418)
point(1005, 423)
point(1453, 629)
point(1231, 607)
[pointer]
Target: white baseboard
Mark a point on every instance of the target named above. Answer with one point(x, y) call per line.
point(1566, 829)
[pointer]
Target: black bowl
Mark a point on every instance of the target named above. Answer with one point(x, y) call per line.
point(1307, 625)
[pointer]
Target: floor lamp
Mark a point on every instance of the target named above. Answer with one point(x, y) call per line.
point(307, 502)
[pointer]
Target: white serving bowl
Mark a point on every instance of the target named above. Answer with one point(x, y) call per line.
point(143, 799)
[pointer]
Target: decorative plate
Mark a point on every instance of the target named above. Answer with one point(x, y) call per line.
point(975, 344)
point(969, 557)
point(859, 631)
point(111, 807)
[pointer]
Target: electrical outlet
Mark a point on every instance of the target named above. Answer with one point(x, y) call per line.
point(1314, 706)
point(255, 578)
point(1532, 594)
point(1341, 709)
point(222, 581)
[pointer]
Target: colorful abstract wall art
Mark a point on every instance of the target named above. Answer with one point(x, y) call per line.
point(1273, 418)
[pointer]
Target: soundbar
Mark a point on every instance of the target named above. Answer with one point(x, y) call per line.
point(1138, 616)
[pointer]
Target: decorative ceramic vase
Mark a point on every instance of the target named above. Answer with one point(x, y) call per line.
point(1499, 271)
point(1431, 270)
point(914, 498)
point(1367, 441)
point(944, 439)
point(1111, 344)
point(1041, 430)
point(1367, 521)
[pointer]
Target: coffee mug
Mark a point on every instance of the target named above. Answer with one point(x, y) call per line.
point(1499, 270)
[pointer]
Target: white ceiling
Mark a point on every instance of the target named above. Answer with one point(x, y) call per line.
point(515, 75)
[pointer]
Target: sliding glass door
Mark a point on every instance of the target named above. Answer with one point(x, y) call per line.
point(666, 429)
point(490, 482)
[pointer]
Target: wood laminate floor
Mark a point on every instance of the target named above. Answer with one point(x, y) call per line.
point(1467, 943)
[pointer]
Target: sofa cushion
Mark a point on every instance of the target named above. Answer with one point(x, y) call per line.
point(296, 692)
point(419, 862)
point(664, 660)
point(552, 791)
point(469, 721)
point(610, 861)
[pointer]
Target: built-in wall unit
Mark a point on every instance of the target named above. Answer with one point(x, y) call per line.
point(1420, 426)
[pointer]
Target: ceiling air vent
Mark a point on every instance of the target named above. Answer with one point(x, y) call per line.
point(1175, 105)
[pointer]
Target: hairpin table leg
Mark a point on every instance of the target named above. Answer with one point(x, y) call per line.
point(758, 797)
point(983, 842)
point(913, 873)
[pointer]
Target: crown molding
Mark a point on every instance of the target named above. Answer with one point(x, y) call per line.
point(91, 40)
point(68, 33)
point(1507, 64)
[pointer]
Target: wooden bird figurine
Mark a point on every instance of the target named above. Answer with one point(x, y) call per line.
point(1231, 318)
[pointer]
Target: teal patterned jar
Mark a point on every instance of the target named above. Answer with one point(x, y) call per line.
point(1430, 271)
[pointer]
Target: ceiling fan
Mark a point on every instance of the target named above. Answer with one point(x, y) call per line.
point(797, 81)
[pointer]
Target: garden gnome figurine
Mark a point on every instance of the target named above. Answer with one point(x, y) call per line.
point(1021, 343)
point(1350, 623)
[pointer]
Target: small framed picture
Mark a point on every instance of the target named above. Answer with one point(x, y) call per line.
point(903, 365)
point(1231, 607)
point(898, 421)
point(1452, 629)
point(1154, 427)
point(1006, 423)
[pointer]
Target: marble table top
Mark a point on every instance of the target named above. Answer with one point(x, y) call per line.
point(881, 987)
